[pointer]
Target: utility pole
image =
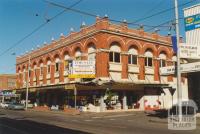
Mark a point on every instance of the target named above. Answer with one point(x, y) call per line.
point(27, 82)
point(179, 91)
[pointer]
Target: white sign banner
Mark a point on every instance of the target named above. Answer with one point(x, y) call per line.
point(189, 51)
point(82, 69)
point(185, 68)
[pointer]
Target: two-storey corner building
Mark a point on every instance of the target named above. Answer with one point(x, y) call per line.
point(127, 63)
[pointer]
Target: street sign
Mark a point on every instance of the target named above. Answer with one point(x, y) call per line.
point(191, 51)
point(185, 68)
point(167, 70)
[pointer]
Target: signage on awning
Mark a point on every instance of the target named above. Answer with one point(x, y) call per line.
point(185, 68)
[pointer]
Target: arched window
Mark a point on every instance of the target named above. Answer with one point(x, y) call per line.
point(48, 66)
point(163, 58)
point(34, 70)
point(24, 73)
point(91, 52)
point(148, 58)
point(78, 54)
point(41, 68)
point(57, 65)
point(66, 62)
point(114, 55)
point(174, 60)
point(133, 56)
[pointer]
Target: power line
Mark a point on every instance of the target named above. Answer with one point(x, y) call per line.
point(166, 22)
point(38, 28)
point(163, 11)
point(93, 15)
point(118, 21)
point(154, 8)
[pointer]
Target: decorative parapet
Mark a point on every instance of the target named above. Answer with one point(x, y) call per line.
point(101, 25)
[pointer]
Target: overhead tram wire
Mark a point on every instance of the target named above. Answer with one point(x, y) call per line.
point(38, 28)
point(93, 15)
point(118, 21)
point(155, 7)
point(166, 22)
point(163, 11)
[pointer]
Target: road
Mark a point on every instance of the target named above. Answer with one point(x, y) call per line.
point(33, 122)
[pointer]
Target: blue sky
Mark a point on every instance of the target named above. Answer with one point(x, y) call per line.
point(20, 17)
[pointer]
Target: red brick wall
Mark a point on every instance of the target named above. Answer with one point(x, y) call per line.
point(101, 40)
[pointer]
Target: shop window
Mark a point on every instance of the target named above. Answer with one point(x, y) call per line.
point(132, 59)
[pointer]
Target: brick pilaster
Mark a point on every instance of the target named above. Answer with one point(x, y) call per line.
point(124, 58)
point(52, 73)
point(156, 64)
point(61, 72)
point(141, 75)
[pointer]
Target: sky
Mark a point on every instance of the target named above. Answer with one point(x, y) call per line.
point(19, 18)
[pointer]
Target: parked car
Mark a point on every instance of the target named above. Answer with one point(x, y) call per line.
point(4, 104)
point(16, 106)
point(188, 108)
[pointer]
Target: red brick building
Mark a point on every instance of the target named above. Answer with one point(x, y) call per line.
point(127, 59)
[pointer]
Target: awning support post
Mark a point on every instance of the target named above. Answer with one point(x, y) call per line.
point(125, 107)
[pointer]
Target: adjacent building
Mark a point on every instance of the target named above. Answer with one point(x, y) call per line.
point(7, 81)
point(126, 63)
point(192, 27)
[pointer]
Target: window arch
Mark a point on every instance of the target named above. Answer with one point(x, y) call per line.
point(57, 64)
point(41, 68)
point(78, 54)
point(48, 67)
point(66, 61)
point(174, 60)
point(148, 58)
point(114, 55)
point(91, 52)
point(163, 58)
point(133, 56)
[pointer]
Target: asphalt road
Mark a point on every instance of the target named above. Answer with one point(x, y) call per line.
point(32, 122)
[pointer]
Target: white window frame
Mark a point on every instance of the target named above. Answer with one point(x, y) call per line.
point(148, 56)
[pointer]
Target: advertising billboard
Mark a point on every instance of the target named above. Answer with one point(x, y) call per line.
point(82, 69)
point(192, 22)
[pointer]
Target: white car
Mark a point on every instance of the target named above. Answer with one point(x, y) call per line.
point(4, 105)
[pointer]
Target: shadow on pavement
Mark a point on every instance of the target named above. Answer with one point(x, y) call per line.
point(157, 113)
point(14, 126)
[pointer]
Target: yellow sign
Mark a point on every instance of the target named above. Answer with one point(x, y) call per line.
point(82, 76)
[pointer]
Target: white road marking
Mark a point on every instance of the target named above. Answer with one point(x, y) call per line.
point(96, 117)
point(119, 115)
point(87, 120)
